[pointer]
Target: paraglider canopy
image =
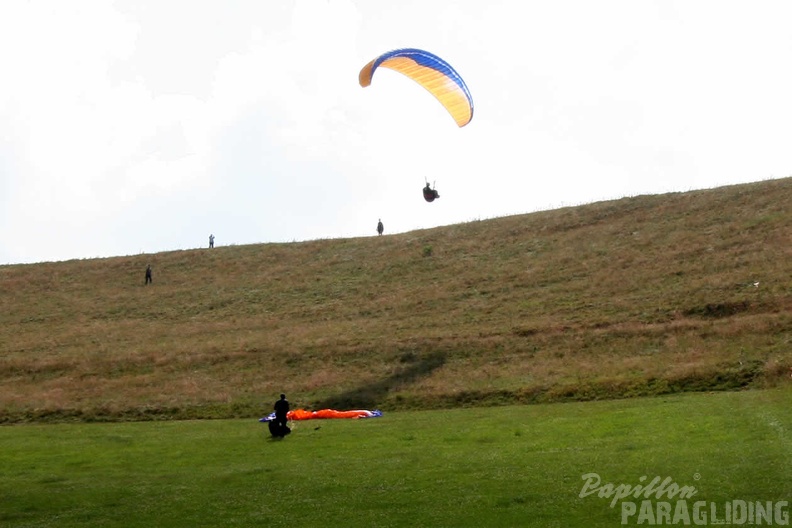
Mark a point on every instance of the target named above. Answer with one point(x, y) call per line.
point(431, 72)
point(302, 414)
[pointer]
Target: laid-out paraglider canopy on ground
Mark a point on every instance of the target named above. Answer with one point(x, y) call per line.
point(302, 414)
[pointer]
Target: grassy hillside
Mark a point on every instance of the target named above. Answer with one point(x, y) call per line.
point(643, 295)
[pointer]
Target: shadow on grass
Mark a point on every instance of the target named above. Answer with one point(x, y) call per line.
point(371, 395)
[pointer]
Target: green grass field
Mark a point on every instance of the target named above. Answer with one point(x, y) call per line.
point(500, 466)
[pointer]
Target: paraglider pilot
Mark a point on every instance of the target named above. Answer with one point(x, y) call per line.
point(430, 194)
point(278, 426)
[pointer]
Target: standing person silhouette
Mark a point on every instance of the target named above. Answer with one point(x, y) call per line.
point(380, 227)
point(211, 241)
point(148, 274)
point(281, 416)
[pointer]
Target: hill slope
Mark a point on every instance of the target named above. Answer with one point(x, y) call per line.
point(651, 294)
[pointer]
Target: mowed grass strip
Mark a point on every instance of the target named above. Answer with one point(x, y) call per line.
point(503, 466)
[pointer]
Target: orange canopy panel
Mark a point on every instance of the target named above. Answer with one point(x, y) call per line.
point(302, 414)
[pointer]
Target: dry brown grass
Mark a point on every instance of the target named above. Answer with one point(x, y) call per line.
point(642, 295)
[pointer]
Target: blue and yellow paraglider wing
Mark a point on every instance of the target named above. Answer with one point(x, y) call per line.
point(431, 72)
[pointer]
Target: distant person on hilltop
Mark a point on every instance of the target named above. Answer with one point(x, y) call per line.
point(380, 227)
point(211, 241)
point(148, 274)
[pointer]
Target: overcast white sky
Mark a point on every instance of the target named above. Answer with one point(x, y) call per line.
point(141, 126)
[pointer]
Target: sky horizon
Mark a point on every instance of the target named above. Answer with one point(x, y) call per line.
point(140, 127)
point(205, 243)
